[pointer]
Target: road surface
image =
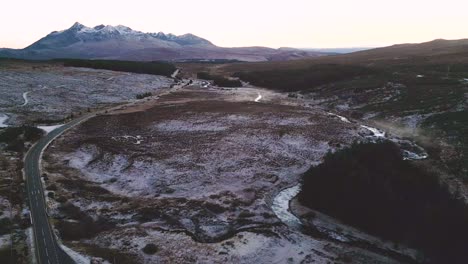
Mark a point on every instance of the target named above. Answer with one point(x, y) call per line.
point(46, 248)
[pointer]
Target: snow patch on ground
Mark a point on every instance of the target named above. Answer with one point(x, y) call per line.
point(82, 157)
point(5, 206)
point(3, 119)
point(376, 132)
point(30, 242)
point(5, 241)
point(176, 72)
point(408, 155)
point(342, 118)
point(48, 129)
point(77, 257)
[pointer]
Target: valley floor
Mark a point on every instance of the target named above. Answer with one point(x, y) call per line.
point(194, 172)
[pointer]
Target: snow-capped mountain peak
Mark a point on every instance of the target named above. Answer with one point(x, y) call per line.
point(78, 33)
point(124, 43)
point(77, 26)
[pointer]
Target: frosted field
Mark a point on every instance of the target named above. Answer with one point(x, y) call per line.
point(30, 92)
point(198, 169)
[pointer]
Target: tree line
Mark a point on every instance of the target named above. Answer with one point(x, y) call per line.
point(371, 187)
point(153, 67)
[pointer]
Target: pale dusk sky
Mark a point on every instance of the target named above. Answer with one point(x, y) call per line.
point(274, 23)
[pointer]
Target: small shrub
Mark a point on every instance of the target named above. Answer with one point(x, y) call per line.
point(150, 249)
point(143, 95)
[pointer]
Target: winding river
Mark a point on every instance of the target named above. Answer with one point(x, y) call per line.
point(280, 206)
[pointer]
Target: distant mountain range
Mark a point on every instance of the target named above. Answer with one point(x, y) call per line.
point(124, 43)
point(338, 50)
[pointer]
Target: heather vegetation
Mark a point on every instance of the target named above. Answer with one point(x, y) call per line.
point(143, 95)
point(404, 88)
point(371, 187)
point(454, 127)
point(291, 80)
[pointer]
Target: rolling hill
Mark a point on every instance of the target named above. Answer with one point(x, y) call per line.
point(418, 90)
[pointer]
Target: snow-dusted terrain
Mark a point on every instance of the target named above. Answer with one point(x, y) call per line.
point(198, 169)
point(3, 119)
point(58, 91)
point(376, 132)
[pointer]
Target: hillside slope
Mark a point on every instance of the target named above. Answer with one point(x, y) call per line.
point(421, 89)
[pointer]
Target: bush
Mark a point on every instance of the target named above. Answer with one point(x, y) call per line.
point(15, 137)
point(143, 95)
point(371, 187)
point(5, 226)
point(150, 249)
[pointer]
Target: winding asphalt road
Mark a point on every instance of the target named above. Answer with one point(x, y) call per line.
point(46, 248)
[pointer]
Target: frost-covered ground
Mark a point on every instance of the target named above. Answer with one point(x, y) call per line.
point(30, 92)
point(5, 241)
point(12, 213)
point(194, 173)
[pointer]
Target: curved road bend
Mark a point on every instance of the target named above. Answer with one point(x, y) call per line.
point(46, 248)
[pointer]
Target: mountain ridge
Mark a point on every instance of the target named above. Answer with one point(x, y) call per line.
point(122, 42)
